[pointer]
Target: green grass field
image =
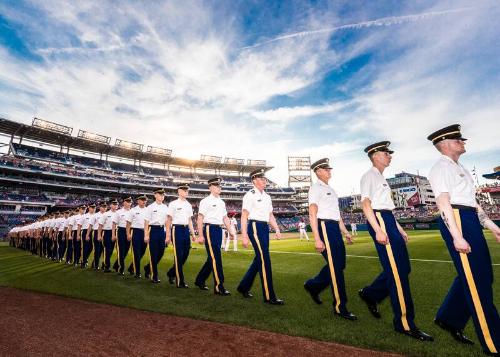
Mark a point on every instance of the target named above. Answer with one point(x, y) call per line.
point(293, 263)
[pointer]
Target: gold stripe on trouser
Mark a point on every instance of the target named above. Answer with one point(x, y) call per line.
point(132, 245)
point(118, 250)
point(214, 265)
point(81, 250)
point(104, 250)
point(332, 268)
point(395, 273)
point(473, 291)
point(264, 275)
point(176, 262)
point(149, 254)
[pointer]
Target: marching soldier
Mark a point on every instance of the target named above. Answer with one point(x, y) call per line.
point(390, 241)
point(61, 235)
point(471, 293)
point(257, 214)
point(212, 215)
point(179, 227)
point(328, 227)
point(135, 234)
point(154, 234)
point(122, 243)
point(96, 232)
point(108, 234)
point(77, 248)
point(71, 235)
point(86, 235)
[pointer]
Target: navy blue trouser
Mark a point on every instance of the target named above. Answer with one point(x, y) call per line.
point(258, 232)
point(138, 250)
point(109, 247)
point(87, 245)
point(61, 244)
point(69, 247)
point(182, 245)
point(98, 249)
point(77, 249)
point(156, 250)
point(471, 292)
point(332, 274)
point(213, 240)
point(394, 280)
point(122, 247)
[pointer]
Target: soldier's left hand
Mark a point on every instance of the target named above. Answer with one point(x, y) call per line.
point(497, 234)
point(348, 238)
point(405, 236)
point(278, 234)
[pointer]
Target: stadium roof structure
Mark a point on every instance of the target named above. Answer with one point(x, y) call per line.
point(495, 175)
point(64, 139)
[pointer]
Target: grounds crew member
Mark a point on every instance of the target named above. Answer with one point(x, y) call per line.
point(179, 227)
point(87, 235)
point(212, 214)
point(154, 234)
point(135, 235)
point(256, 215)
point(122, 243)
point(328, 227)
point(390, 241)
point(108, 234)
point(461, 225)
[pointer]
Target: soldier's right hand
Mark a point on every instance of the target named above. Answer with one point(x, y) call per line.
point(381, 238)
point(245, 241)
point(146, 239)
point(461, 245)
point(319, 245)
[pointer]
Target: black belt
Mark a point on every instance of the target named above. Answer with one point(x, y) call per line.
point(328, 220)
point(213, 224)
point(157, 225)
point(256, 221)
point(382, 210)
point(468, 208)
point(181, 225)
point(141, 229)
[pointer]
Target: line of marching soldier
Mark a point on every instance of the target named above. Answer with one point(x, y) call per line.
point(72, 236)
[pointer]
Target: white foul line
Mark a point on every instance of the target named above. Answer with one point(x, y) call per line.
point(358, 256)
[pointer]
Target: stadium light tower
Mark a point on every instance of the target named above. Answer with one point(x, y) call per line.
point(299, 178)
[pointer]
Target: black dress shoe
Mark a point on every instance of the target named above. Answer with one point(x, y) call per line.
point(138, 276)
point(171, 280)
point(121, 273)
point(107, 270)
point(222, 292)
point(346, 315)
point(201, 286)
point(372, 305)
point(156, 281)
point(275, 301)
point(456, 333)
point(417, 334)
point(245, 294)
point(314, 295)
point(183, 286)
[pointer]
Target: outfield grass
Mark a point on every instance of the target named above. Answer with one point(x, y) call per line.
point(293, 263)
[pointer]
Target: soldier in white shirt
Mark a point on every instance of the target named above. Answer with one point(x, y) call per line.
point(96, 237)
point(354, 229)
point(390, 241)
point(135, 234)
point(108, 234)
point(154, 234)
point(212, 215)
point(256, 216)
point(61, 235)
point(122, 243)
point(86, 235)
point(328, 227)
point(71, 236)
point(179, 228)
point(77, 243)
point(461, 225)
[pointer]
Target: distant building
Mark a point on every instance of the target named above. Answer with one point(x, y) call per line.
point(350, 202)
point(410, 190)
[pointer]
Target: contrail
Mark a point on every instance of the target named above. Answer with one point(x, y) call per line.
point(385, 21)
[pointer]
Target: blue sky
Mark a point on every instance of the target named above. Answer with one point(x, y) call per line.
point(261, 79)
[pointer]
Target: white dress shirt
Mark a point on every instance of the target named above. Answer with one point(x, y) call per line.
point(121, 217)
point(375, 187)
point(449, 176)
point(258, 204)
point(325, 197)
point(181, 211)
point(136, 217)
point(156, 214)
point(213, 210)
point(107, 219)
